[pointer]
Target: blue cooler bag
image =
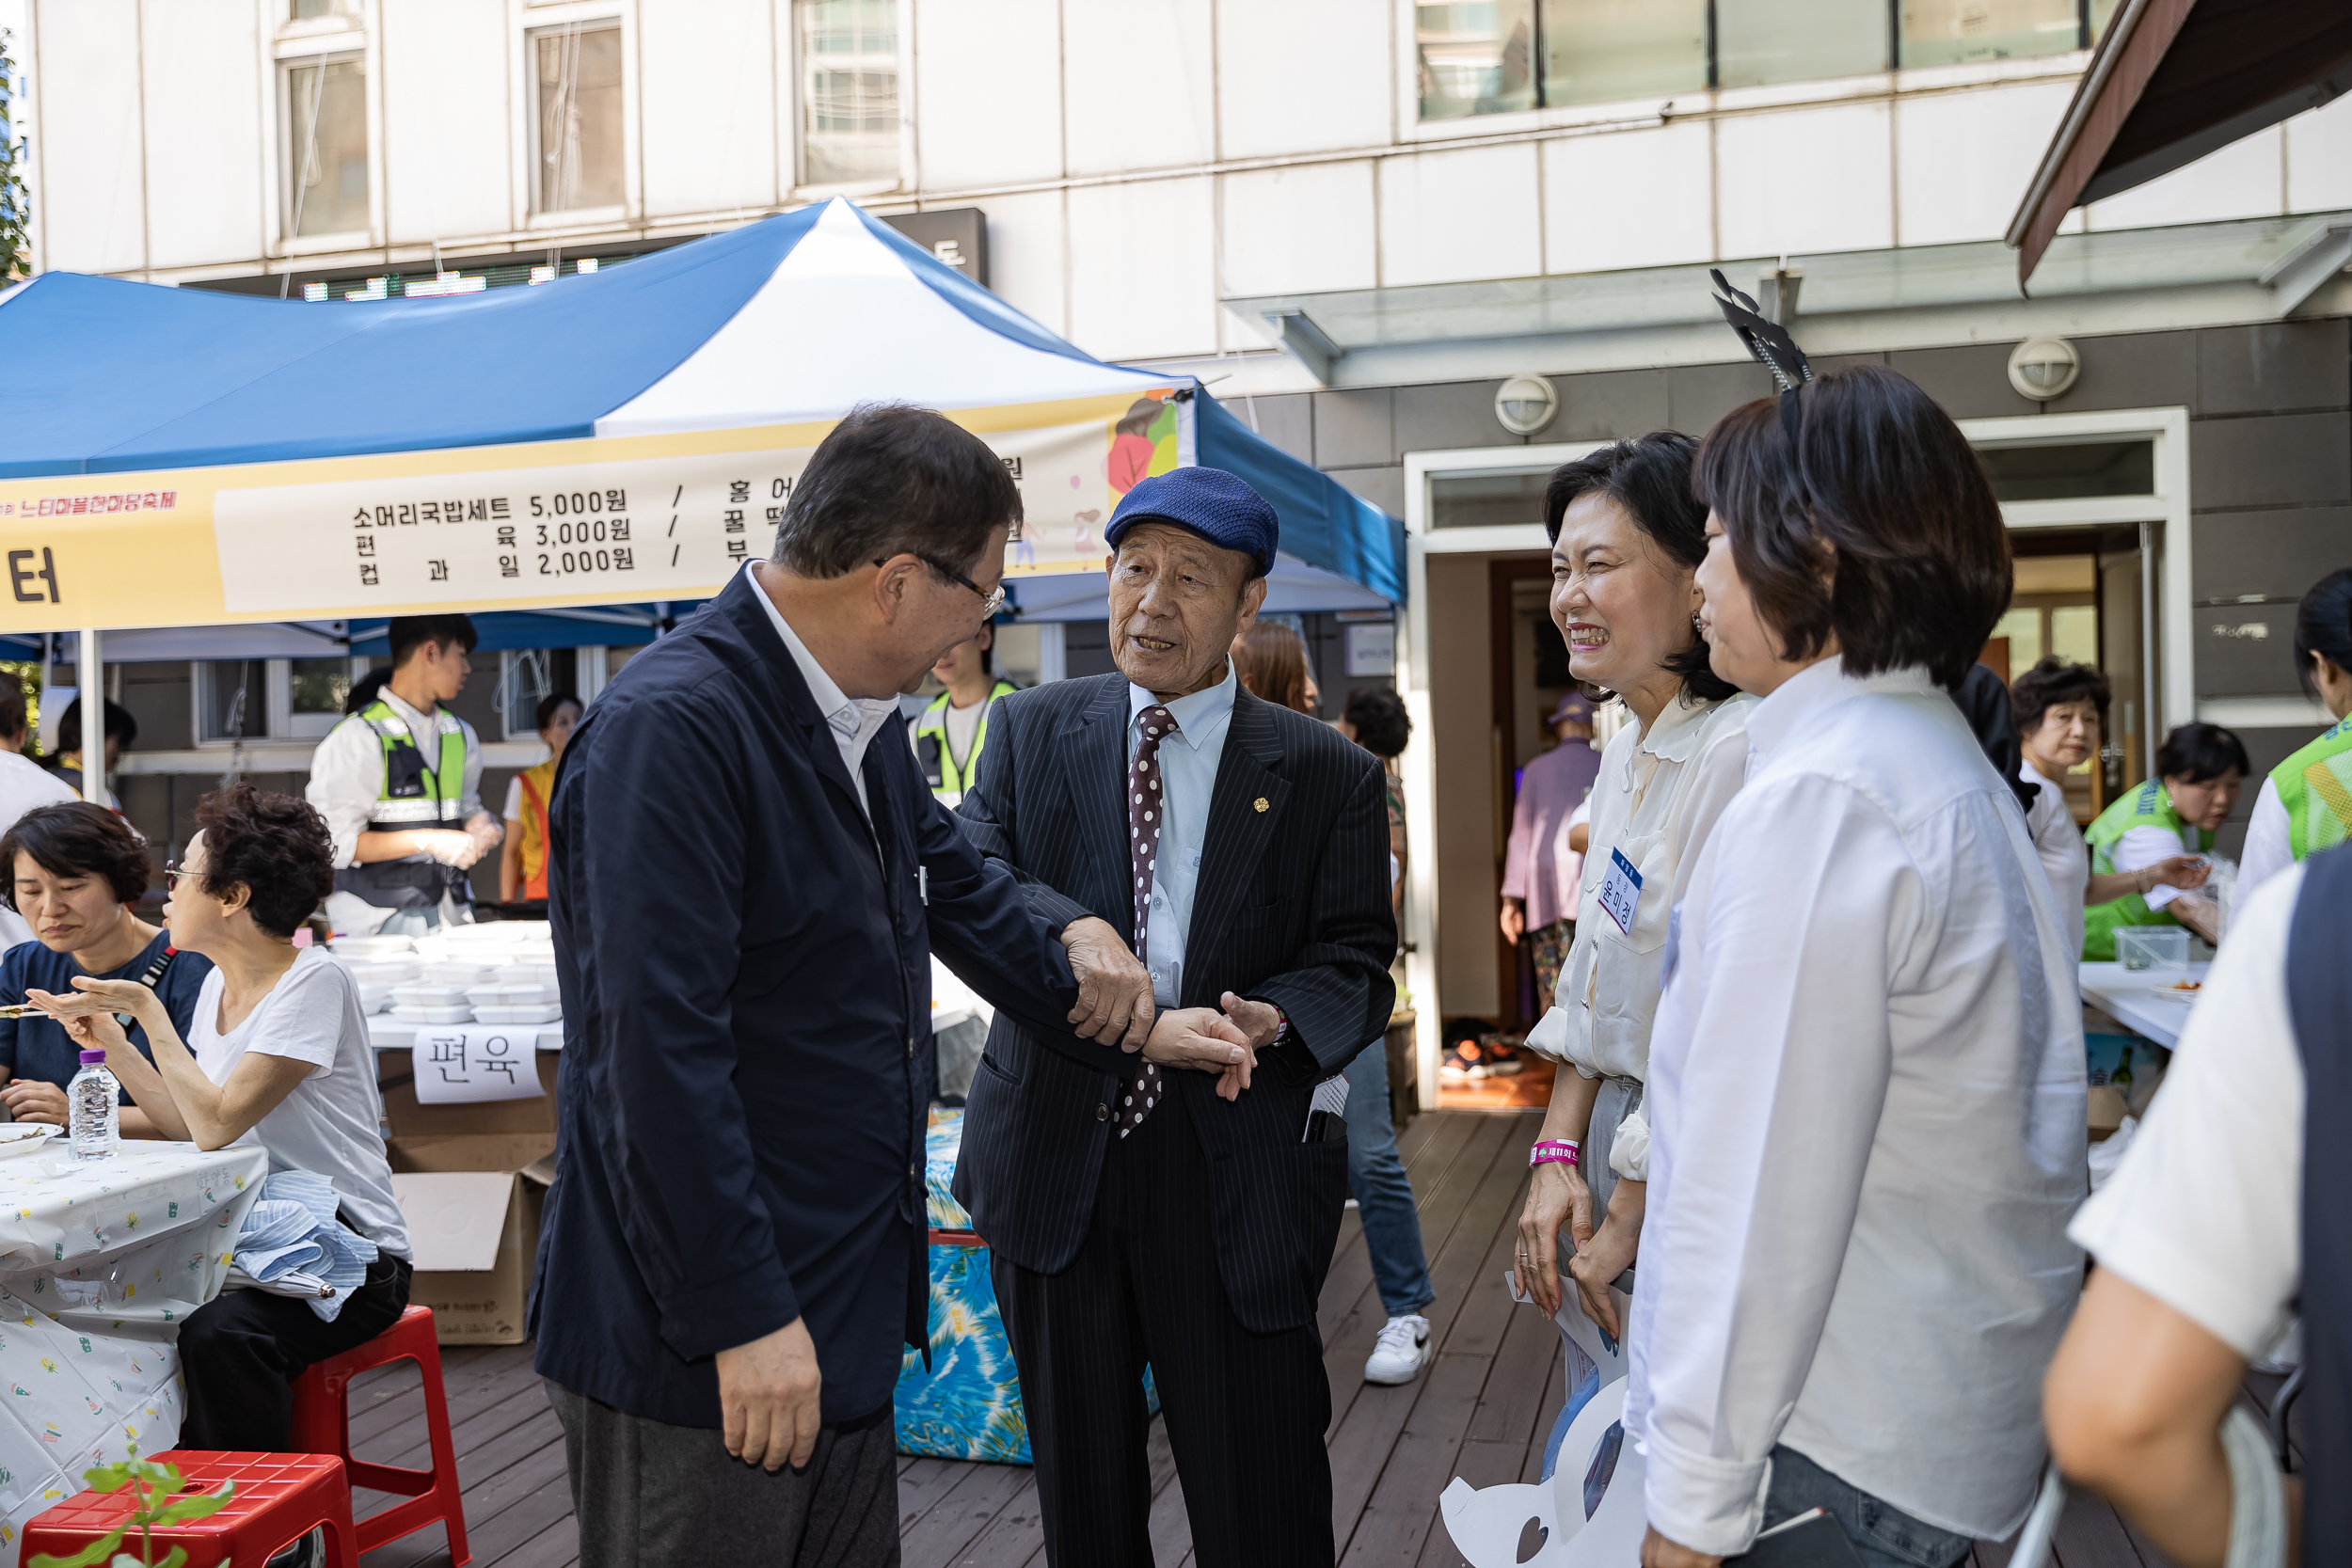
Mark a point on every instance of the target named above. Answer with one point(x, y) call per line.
point(968, 1405)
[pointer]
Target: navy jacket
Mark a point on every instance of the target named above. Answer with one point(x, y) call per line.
point(746, 1026)
point(1292, 906)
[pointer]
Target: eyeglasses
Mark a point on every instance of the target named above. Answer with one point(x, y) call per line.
point(173, 871)
point(990, 602)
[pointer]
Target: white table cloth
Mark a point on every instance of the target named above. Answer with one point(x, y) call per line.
point(2141, 1001)
point(100, 1263)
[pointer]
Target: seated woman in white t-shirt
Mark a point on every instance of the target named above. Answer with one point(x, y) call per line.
point(276, 1055)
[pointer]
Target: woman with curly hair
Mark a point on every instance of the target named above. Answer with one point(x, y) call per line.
point(277, 1055)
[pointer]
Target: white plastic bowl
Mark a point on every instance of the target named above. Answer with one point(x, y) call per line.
point(550, 1012)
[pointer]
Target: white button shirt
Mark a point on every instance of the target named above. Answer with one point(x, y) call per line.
point(347, 775)
point(1656, 797)
point(1189, 761)
point(2059, 843)
point(1866, 1109)
point(854, 720)
point(23, 784)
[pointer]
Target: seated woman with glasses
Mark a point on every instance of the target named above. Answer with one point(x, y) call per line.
point(277, 1055)
point(73, 871)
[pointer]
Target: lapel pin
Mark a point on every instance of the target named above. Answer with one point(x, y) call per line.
point(1259, 802)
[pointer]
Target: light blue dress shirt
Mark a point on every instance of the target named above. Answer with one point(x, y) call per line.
point(1189, 761)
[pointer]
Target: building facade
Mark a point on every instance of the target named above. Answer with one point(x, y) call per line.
point(1356, 221)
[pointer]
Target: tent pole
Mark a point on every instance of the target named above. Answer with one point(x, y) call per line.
point(91, 679)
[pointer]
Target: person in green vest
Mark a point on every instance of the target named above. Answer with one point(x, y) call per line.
point(2306, 804)
point(399, 782)
point(2200, 770)
point(949, 734)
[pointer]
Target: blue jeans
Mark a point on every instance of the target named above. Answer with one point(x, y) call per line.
point(1883, 1536)
point(1384, 1195)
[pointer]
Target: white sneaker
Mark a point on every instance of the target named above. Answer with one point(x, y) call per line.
point(1401, 1348)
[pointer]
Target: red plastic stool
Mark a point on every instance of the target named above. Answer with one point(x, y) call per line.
point(322, 1425)
point(280, 1498)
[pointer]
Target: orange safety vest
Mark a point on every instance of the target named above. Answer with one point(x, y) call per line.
point(536, 782)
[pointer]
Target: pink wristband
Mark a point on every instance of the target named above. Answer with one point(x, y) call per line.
point(1560, 1151)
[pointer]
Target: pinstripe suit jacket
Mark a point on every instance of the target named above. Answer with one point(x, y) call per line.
point(1292, 906)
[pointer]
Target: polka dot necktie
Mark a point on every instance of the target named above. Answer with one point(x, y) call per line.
point(1146, 809)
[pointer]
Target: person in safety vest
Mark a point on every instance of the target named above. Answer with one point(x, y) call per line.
point(399, 784)
point(2200, 769)
point(523, 863)
point(948, 734)
point(2306, 804)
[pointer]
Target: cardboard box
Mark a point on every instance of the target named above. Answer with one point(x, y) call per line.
point(471, 1179)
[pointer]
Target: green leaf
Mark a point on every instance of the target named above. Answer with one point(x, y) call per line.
point(200, 1506)
point(174, 1557)
point(90, 1556)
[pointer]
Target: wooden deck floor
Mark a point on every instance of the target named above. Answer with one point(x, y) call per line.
point(1480, 1410)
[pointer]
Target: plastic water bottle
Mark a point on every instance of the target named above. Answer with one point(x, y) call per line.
point(93, 1109)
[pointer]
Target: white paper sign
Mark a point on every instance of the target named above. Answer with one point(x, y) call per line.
point(460, 1066)
point(1621, 891)
point(1372, 649)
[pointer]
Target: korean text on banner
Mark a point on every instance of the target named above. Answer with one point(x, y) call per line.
point(467, 1066)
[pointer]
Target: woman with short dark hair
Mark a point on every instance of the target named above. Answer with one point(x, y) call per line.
point(2200, 770)
point(2060, 709)
point(73, 871)
point(276, 1055)
point(2305, 804)
point(1866, 1075)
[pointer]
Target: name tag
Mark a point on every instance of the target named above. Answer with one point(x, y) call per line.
point(1621, 891)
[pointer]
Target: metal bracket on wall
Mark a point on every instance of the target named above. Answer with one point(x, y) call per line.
point(1308, 344)
point(2307, 268)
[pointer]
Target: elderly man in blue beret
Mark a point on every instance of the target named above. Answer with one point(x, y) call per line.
point(1156, 1215)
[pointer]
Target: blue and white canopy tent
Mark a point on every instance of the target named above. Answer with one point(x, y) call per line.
point(583, 458)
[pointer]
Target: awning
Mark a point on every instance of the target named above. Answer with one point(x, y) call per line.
point(2173, 81)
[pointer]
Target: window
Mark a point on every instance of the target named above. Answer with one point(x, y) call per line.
point(1494, 57)
point(849, 91)
point(321, 10)
point(527, 676)
point(576, 131)
point(1476, 58)
point(231, 700)
point(1960, 32)
point(1598, 51)
point(1486, 500)
point(1759, 41)
point(327, 147)
point(315, 689)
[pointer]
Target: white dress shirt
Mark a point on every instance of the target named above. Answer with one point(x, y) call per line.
point(23, 784)
point(2269, 841)
point(2059, 845)
point(1867, 1112)
point(2205, 1212)
point(854, 720)
point(1189, 761)
point(347, 774)
point(1656, 798)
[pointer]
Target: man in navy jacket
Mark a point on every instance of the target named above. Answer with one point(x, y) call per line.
point(745, 890)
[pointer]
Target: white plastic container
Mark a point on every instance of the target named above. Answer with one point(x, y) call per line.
point(525, 974)
point(550, 1012)
point(425, 995)
point(459, 1013)
point(383, 972)
point(513, 996)
point(374, 997)
point(453, 972)
point(349, 948)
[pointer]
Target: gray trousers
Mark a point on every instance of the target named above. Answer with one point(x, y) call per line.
point(649, 1495)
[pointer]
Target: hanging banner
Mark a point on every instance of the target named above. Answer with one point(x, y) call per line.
point(600, 521)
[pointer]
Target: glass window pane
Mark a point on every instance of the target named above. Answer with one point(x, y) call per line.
point(579, 118)
point(2103, 12)
point(2043, 473)
point(233, 700)
point(1957, 32)
point(1601, 51)
point(2023, 628)
point(2074, 633)
point(318, 10)
point(326, 148)
point(1484, 500)
point(1475, 58)
point(849, 92)
point(320, 685)
point(1797, 41)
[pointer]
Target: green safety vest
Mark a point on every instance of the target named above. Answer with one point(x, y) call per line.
point(2315, 786)
point(413, 794)
point(930, 743)
point(2146, 807)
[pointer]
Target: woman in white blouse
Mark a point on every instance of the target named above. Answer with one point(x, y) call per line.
point(1867, 1079)
point(1627, 535)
